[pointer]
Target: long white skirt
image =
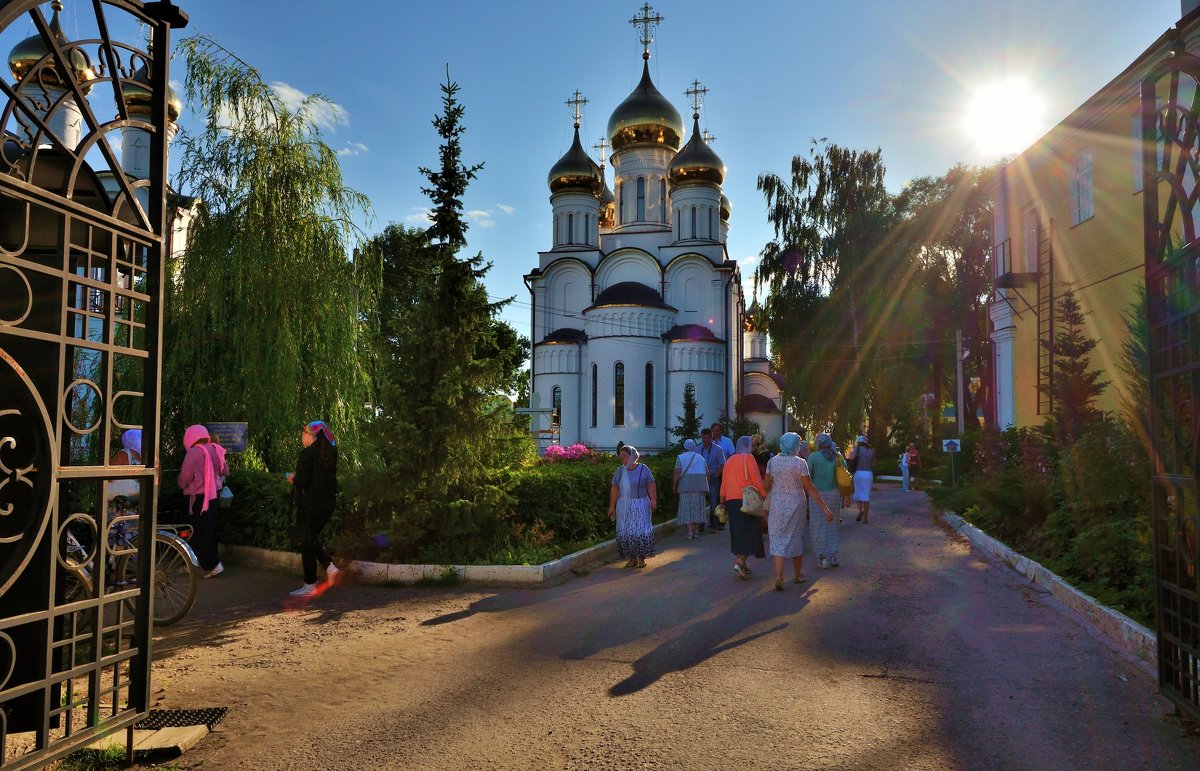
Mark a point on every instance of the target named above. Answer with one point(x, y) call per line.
point(862, 485)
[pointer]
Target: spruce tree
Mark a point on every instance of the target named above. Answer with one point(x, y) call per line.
point(1074, 386)
point(688, 424)
point(444, 361)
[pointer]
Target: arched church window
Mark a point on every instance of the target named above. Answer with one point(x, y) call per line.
point(649, 394)
point(619, 394)
point(641, 199)
point(587, 229)
point(678, 231)
point(620, 203)
point(556, 405)
point(595, 382)
point(695, 233)
point(570, 228)
point(712, 231)
point(662, 201)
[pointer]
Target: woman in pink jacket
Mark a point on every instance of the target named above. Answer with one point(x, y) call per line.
point(203, 465)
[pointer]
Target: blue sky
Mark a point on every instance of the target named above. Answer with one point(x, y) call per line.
point(862, 74)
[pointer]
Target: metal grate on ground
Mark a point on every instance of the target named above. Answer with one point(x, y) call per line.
point(182, 718)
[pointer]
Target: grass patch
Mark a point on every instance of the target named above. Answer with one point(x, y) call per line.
point(448, 577)
point(104, 759)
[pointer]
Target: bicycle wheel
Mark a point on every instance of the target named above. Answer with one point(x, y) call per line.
point(175, 578)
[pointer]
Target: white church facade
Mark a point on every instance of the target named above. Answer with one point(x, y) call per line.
point(637, 297)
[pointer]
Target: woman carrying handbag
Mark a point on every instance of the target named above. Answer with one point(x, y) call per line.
point(740, 481)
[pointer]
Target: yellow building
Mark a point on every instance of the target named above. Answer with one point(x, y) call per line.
point(1068, 213)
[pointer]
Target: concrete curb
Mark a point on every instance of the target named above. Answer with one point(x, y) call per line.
point(380, 572)
point(1124, 631)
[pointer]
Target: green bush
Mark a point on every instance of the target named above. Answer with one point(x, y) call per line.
point(1082, 511)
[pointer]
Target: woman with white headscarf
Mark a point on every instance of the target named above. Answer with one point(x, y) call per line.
point(130, 454)
point(691, 485)
point(787, 480)
point(631, 499)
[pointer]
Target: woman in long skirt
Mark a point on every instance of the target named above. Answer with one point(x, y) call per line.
point(745, 532)
point(787, 481)
point(864, 476)
point(631, 500)
point(822, 464)
point(691, 485)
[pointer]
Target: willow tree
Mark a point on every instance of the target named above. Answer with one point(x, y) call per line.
point(263, 312)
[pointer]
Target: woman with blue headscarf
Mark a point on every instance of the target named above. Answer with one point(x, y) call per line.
point(632, 498)
point(787, 481)
point(691, 485)
point(822, 464)
point(745, 532)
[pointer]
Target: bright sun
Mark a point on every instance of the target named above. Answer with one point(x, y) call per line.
point(1004, 117)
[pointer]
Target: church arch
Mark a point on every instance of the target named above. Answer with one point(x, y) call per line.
point(689, 279)
point(568, 292)
point(629, 265)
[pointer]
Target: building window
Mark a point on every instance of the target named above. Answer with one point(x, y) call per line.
point(662, 201)
point(619, 394)
point(587, 229)
point(649, 394)
point(594, 384)
point(620, 203)
point(712, 230)
point(1083, 205)
point(556, 405)
point(1136, 133)
point(1030, 229)
point(570, 228)
point(694, 235)
point(641, 199)
point(678, 226)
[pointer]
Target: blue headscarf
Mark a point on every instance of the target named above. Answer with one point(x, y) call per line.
point(825, 445)
point(789, 443)
point(689, 445)
point(318, 427)
point(744, 444)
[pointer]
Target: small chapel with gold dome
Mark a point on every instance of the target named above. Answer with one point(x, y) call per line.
point(637, 298)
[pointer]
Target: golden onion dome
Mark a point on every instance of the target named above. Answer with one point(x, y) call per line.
point(575, 171)
point(606, 195)
point(139, 97)
point(726, 208)
point(696, 162)
point(646, 117)
point(26, 54)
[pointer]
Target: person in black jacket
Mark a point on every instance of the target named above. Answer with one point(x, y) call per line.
point(314, 492)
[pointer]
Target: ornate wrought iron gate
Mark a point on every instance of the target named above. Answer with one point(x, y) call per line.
point(82, 243)
point(1171, 158)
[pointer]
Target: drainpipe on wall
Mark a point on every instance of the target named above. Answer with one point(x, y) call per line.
point(728, 345)
point(532, 335)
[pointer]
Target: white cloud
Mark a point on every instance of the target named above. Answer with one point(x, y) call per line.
point(480, 217)
point(506, 208)
point(353, 148)
point(421, 217)
point(327, 115)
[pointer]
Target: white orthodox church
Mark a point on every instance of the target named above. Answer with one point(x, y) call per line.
point(637, 297)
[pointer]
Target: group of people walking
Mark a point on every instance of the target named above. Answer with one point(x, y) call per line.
point(711, 479)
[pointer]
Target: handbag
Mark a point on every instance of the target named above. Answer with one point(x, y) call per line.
point(752, 502)
point(225, 497)
point(721, 514)
point(845, 482)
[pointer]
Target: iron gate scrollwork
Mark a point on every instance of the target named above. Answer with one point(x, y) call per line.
point(86, 120)
point(1170, 104)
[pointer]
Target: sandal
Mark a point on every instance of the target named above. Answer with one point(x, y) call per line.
point(632, 563)
point(740, 569)
point(799, 579)
point(640, 564)
point(779, 584)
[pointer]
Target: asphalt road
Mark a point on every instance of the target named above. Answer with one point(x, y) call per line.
point(916, 653)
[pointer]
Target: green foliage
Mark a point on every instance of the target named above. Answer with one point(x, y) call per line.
point(108, 758)
point(737, 426)
point(1135, 364)
point(261, 320)
point(688, 424)
point(1083, 510)
point(1073, 387)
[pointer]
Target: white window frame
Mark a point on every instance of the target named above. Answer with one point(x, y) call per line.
point(1083, 188)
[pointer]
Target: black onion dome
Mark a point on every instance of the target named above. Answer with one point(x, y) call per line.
point(629, 293)
point(693, 333)
point(645, 117)
point(696, 162)
point(566, 335)
point(726, 208)
point(759, 403)
point(606, 195)
point(575, 171)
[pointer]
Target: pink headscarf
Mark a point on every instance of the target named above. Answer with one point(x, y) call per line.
point(198, 465)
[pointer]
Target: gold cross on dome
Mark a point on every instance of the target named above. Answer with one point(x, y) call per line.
point(601, 147)
point(707, 137)
point(647, 22)
point(696, 92)
point(576, 103)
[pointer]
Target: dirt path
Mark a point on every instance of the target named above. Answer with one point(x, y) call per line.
point(916, 653)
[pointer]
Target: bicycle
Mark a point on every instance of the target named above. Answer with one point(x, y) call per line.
point(176, 569)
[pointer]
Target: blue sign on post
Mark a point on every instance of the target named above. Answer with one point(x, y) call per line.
point(231, 436)
point(951, 445)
